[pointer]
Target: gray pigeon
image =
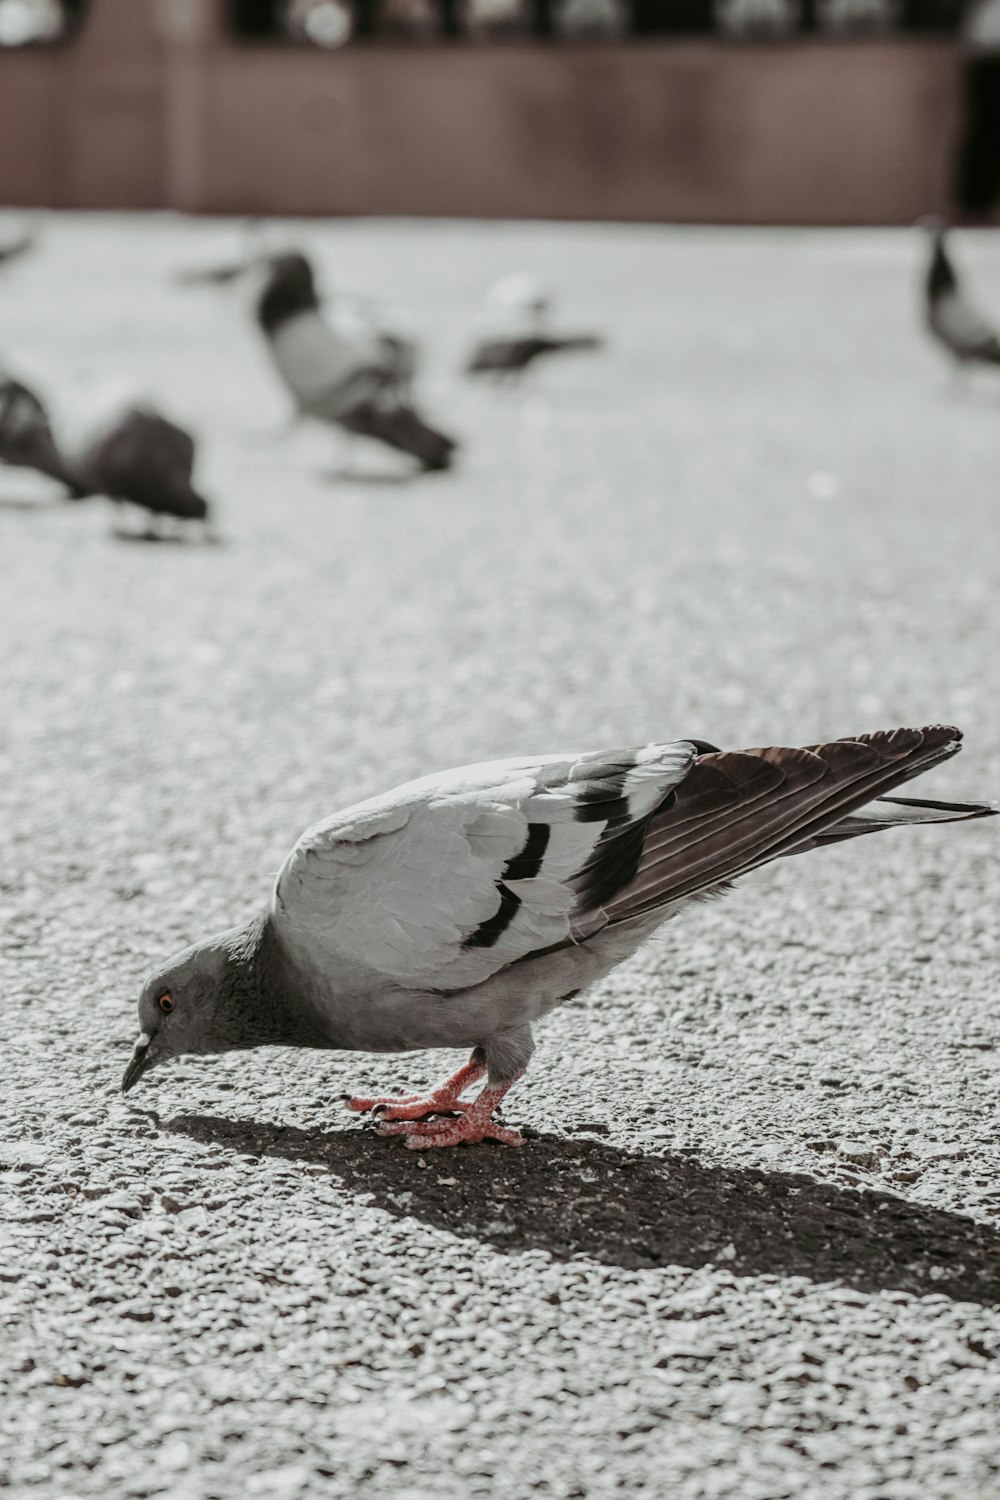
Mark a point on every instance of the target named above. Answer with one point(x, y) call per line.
point(229, 260)
point(21, 242)
point(515, 329)
point(459, 909)
point(512, 355)
point(358, 383)
point(104, 439)
point(26, 439)
point(951, 317)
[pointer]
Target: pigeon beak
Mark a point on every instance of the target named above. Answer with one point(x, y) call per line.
point(139, 1062)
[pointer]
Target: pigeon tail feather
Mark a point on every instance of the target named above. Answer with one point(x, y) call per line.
point(726, 820)
point(400, 427)
point(897, 812)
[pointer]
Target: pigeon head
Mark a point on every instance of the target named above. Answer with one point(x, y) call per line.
point(225, 993)
point(290, 289)
point(191, 1004)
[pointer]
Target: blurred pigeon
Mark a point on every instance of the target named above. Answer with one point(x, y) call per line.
point(226, 262)
point(514, 329)
point(457, 910)
point(360, 320)
point(519, 295)
point(103, 438)
point(352, 381)
point(20, 242)
point(26, 440)
point(951, 317)
point(212, 272)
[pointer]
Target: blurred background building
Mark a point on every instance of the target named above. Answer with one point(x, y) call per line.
point(742, 111)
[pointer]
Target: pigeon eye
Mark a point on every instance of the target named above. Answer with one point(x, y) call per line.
point(167, 1003)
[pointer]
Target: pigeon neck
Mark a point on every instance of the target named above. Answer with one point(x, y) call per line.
point(941, 277)
point(267, 1011)
point(281, 303)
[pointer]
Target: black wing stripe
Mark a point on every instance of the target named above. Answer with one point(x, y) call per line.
point(490, 931)
point(602, 878)
point(527, 864)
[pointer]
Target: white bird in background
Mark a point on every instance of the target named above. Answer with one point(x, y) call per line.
point(952, 317)
point(457, 910)
point(230, 257)
point(514, 329)
point(360, 381)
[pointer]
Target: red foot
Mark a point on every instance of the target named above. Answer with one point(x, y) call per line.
point(414, 1106)
point(408, 1106)
point(475, 1125)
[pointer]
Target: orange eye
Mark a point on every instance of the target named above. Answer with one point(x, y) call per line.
point(167, 1003)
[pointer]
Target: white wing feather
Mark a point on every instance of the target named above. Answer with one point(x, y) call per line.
point(398, 889)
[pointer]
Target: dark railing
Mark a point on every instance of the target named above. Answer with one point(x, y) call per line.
point(333, 22)
point(289, 20)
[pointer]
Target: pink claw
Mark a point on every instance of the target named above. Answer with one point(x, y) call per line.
point(416, 1106)
point(455, 1121)
point(362, 1105)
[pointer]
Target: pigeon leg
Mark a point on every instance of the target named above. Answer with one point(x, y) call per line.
point(415, 1106)
point(475, 1125)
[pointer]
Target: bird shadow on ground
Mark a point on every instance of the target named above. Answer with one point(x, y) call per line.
point(42, 505)
point(573, 1197)
point(373, 478)
point(121, 534)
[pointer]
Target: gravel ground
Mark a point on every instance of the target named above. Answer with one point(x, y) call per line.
point(752, 1246)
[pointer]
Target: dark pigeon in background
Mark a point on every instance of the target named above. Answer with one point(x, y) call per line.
point(952, 317)
point(512, 356)
point(16, 243)
point(457, 910)
point(104, 439)
point(354, 382)
point(144, 459)
point(515, 329)
point(26, 439)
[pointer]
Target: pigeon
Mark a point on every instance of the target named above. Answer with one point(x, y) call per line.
point(350, 380)
point(512, 355)
point(26, 440)
point(212, 272)
point(21, 242)
point(143, 458)
point(226, 262)
point(458, 909)
point(952, 319)
point(358, 319)
point(104, 438)
point(515, 329)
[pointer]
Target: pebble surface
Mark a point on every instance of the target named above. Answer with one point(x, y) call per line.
point(751, 1248)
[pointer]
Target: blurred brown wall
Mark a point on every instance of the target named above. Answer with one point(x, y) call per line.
point(154, 106)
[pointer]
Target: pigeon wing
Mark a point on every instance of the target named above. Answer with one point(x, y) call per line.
point(964, 329)
point(327, 373)
point(444, 882)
